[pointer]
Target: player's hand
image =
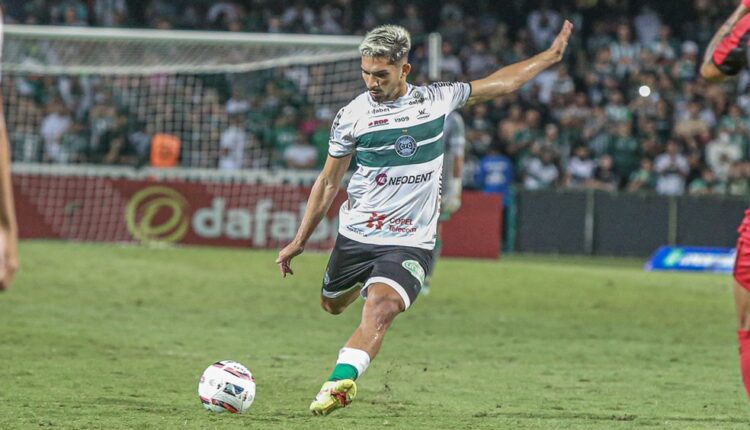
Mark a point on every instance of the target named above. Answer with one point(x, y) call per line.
point(9, 262)
point(453, 204)
point(561, 41)
point(285, 258)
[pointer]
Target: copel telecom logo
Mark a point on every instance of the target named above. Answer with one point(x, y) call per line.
point(157, 214)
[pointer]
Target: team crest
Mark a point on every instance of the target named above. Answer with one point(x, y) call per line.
point(406, 146)
point(415, 269)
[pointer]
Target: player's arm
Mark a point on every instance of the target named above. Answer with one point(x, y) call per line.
point(510, 78)
point(323, 193)
point(8, 226)
point(724, 55)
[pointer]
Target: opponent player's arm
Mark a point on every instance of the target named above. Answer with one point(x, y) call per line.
point(510, 78)
point(709, 69)
point(8, 225)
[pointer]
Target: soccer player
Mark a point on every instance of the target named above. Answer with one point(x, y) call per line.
point(725, 56)
point(8, 227)
point(454, 136)
point(387, 227)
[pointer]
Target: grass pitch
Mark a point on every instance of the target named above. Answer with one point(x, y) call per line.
point(98, 336)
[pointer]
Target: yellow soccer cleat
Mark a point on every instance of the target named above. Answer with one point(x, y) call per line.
point(333, 395)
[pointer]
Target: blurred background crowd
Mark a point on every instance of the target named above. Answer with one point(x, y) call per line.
point(625, 111)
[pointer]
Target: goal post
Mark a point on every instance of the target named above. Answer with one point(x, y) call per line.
point(234, 103)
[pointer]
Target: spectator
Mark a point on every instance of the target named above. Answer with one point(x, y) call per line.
point(114, 146)
point(495, 174)
point(301, 154)
point(541, 171)
point(706, 184)
point(580, 170)
point(647, 25)
point(53, 126)
point(604, 178)
point(671, 170)
point(543, 24)
point(644, 178)
point(721, 154)
point(625, 151)
point(232, 145)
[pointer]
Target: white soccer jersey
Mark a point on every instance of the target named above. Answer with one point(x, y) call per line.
point(394, 195)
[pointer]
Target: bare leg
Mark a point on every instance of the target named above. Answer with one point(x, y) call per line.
point(337, 305)
point(742, 304)
point(382, 305)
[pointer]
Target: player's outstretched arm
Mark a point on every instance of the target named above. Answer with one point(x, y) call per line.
point(9, 261)
point(510, 78)
point(321, 197)
point(709, 70)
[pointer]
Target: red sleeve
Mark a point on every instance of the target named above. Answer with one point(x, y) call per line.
point(730, 55)
point(746, 3)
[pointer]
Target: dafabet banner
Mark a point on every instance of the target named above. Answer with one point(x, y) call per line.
point(208, 213)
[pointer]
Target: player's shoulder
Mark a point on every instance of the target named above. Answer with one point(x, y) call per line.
point(442, 86)
point(357, 106)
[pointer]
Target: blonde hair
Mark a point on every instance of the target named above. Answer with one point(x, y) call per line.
point(388, 41)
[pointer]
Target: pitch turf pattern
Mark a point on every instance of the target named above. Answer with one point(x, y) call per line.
point(96, 336)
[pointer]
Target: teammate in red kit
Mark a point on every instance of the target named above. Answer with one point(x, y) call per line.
point(726, 55)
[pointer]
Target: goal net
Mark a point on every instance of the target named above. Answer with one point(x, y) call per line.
point(171, 136)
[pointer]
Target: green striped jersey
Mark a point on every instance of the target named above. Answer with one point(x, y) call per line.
point(394, 195)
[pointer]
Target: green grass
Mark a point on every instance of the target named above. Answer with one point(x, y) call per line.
point(98, 336)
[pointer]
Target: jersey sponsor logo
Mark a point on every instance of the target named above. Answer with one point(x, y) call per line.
point(422, 114)
point(380, 110)
point(401, 225)
point(415, 269)
point(376, 221)
point(378, 122)
point(406, 146)
point(418, 98)
point(382, 179)
point(402, 119)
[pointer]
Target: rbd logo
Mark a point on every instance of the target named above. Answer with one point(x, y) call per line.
point(378, 122)
point(262, 224)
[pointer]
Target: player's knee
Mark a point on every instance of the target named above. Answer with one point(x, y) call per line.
point(331, 308)
point(385, 309)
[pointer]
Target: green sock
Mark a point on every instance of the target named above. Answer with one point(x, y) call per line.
point(343, 371)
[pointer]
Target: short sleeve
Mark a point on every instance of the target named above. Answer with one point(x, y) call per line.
point(452, 95)
point(341, 141)
point(730, 55)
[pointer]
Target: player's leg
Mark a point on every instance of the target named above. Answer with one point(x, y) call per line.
point(393, 286)
point(382, 305)
point(742, 304)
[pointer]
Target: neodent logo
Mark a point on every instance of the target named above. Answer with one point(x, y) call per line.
point(382, 179)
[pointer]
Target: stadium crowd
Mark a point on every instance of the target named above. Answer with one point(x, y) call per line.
point(625, 111)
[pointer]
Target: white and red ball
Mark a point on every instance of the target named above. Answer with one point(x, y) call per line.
point(227, 386)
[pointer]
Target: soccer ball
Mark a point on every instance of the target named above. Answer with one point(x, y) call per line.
point(227, 386)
